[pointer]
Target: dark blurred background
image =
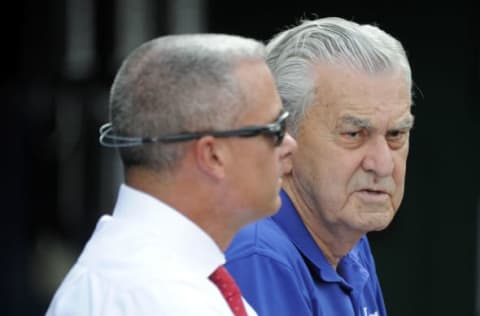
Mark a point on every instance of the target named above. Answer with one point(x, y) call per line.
point(58, 61)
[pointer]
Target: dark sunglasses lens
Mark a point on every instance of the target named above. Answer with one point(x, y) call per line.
point(280, 134)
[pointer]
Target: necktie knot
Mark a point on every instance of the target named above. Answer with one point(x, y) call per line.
point(229, 289)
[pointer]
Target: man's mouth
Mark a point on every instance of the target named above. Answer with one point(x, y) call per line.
point(372, 191)
point(372, 195)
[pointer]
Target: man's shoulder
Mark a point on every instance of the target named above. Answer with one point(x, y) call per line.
point(85, 292)
point(264, 238)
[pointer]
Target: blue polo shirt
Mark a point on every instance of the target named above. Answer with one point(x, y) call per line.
point(281, 271)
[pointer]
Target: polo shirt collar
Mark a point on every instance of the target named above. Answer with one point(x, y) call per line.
point(351, 273)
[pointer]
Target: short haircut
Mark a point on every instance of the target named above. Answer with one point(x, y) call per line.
point(175, 84)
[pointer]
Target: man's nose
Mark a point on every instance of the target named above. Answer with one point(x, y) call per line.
point(378, 157)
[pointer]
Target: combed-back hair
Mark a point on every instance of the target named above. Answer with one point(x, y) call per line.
point(178, 83)
point(293, 54)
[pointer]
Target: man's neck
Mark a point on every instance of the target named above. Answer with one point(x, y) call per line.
point(184, 192)
point(335, 241)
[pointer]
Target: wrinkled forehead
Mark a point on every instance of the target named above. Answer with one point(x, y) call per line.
point(344, 81)
point(351, 96)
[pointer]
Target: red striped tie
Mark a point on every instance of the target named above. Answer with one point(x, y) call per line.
point(230, 291)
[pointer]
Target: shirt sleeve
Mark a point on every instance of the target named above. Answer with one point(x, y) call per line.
point(270, 286)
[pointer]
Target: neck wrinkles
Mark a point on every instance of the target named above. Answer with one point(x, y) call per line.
point(335, 241)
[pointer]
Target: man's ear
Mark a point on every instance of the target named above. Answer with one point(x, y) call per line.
point(210, 155)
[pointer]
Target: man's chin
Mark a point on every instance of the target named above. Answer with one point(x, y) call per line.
point(277, 203)
point(379, 224)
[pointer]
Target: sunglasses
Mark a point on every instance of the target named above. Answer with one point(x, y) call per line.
point(275, 130)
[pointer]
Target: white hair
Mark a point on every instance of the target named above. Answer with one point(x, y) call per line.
point(293, 53)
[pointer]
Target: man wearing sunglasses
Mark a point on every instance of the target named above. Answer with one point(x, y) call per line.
point(202, 135)
point(348, 89)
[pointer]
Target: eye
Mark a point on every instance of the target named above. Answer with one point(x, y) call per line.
point(396, 134)
point(353, 138)
point(396, 138)
point(354, 134)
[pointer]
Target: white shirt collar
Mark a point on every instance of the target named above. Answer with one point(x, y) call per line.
point(175, 232)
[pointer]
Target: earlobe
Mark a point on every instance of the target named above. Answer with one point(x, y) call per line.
point(209, 155)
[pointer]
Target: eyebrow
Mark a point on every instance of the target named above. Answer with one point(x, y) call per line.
point(406, 123)
point(355, 121)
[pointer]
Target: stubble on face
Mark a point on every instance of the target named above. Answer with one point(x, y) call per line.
point(331, 163)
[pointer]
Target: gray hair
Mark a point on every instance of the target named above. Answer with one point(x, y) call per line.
point(292, 54)
point(176, 84)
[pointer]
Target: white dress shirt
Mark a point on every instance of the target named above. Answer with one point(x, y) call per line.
point(145, 259)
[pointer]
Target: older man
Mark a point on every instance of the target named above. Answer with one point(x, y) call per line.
point(348, 88)
point(201, 132)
